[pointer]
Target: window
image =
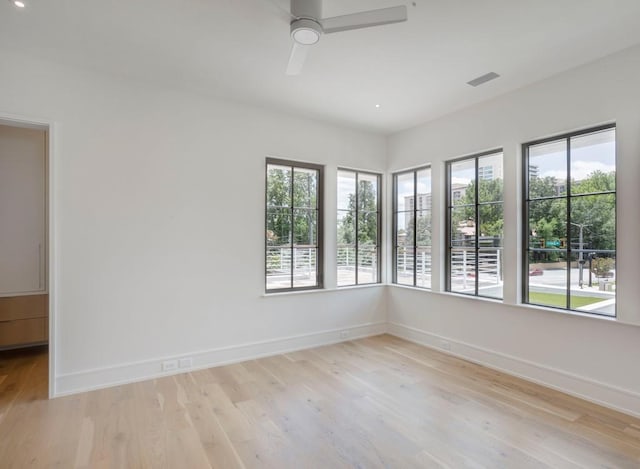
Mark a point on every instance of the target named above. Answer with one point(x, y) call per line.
point(358, 250)
point(412, 228)
point(293, 226)
point(475, 225)
point(570, 220)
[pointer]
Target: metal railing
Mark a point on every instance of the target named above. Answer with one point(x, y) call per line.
point(346, 257)
point(463, 266)
point(279, 260)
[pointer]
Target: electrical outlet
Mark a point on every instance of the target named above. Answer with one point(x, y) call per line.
point(170, 365)
point(186, 362)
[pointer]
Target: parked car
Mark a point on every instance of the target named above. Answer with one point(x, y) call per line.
point(536, 271)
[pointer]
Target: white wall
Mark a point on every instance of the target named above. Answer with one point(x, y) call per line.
point(593, 357)
point(158, 202)
point(145, 233)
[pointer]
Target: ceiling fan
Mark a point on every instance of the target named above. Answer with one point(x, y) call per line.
point(307, 26)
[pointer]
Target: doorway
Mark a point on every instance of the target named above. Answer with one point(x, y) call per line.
point(24, 260)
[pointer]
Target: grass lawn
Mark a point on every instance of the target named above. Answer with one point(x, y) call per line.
point(560, 300)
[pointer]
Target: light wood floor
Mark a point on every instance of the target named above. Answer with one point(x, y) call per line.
point(378, 402)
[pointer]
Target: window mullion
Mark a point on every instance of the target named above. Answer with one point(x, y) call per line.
point(449, 228)
point(415, 228)
point(379, 228)
point(357, 241)
point(527, 229)
point(568, 205)
point(394, 214)
point(477, 230)
point(293, 228)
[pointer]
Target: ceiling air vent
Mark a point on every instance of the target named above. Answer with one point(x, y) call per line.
point(483, 79)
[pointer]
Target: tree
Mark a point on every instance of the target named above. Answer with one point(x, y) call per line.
point(548, 223)
point(278, 199)
point(545, 229)
point(542, 187)
point(423, 230)
point(596, 212)
point(280, 189)
point(590, 208)
point(602, 266)
point(490, 194)
point(367, 217)
point(547, 217)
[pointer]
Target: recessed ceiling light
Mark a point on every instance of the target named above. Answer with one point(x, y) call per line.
point(377, 106)
point(18, 3)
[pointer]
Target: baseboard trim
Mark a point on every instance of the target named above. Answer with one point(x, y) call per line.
point(89, 380)
point(613, 397)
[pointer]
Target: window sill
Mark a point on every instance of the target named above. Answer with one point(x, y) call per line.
point(321, 290)
point(447, 293)
point(357, 287)
point(521, 306)
point(567, 312)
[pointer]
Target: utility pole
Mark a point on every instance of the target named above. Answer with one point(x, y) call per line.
point(581, 253)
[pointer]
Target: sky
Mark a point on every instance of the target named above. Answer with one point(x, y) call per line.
point(347, 185)
point(405, 185)
point(589, 153)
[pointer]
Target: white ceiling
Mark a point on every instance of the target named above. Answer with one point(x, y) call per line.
point(238, 49)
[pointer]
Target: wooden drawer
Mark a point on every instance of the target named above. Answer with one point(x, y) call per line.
point(24, 307)
point(23, 331)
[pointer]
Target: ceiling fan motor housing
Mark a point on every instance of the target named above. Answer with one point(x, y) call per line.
point(306, 31)
point(311, 9)
point(308, 25)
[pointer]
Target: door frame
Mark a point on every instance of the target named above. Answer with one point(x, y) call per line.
point(49, 126)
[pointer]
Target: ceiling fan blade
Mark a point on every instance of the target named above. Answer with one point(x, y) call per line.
point(365, 19)
point(296, 58)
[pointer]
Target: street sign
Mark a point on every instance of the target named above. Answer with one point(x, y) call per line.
point(554, 243)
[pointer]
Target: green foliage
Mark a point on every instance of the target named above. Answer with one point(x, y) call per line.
point(280, 190)
point(560, 300)
point(491, 220)
point(489, 190)
point(602, 266)
point(596, 212)
point(423, 230)
point(542, 187)
point(547, 230)
point(367, 220)
point(490, 194)
point(544, 228)
point(597, 181)
point(548, 218)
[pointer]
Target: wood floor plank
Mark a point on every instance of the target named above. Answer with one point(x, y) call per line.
point(379, 402)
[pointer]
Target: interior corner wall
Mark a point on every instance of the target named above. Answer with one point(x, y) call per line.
point(159, 224)
point(591, 357)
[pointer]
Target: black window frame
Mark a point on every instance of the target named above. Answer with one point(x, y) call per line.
point(526, 248)
point(448, 219)
point(357, 212)
point(415, 210)
point(319, 225)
